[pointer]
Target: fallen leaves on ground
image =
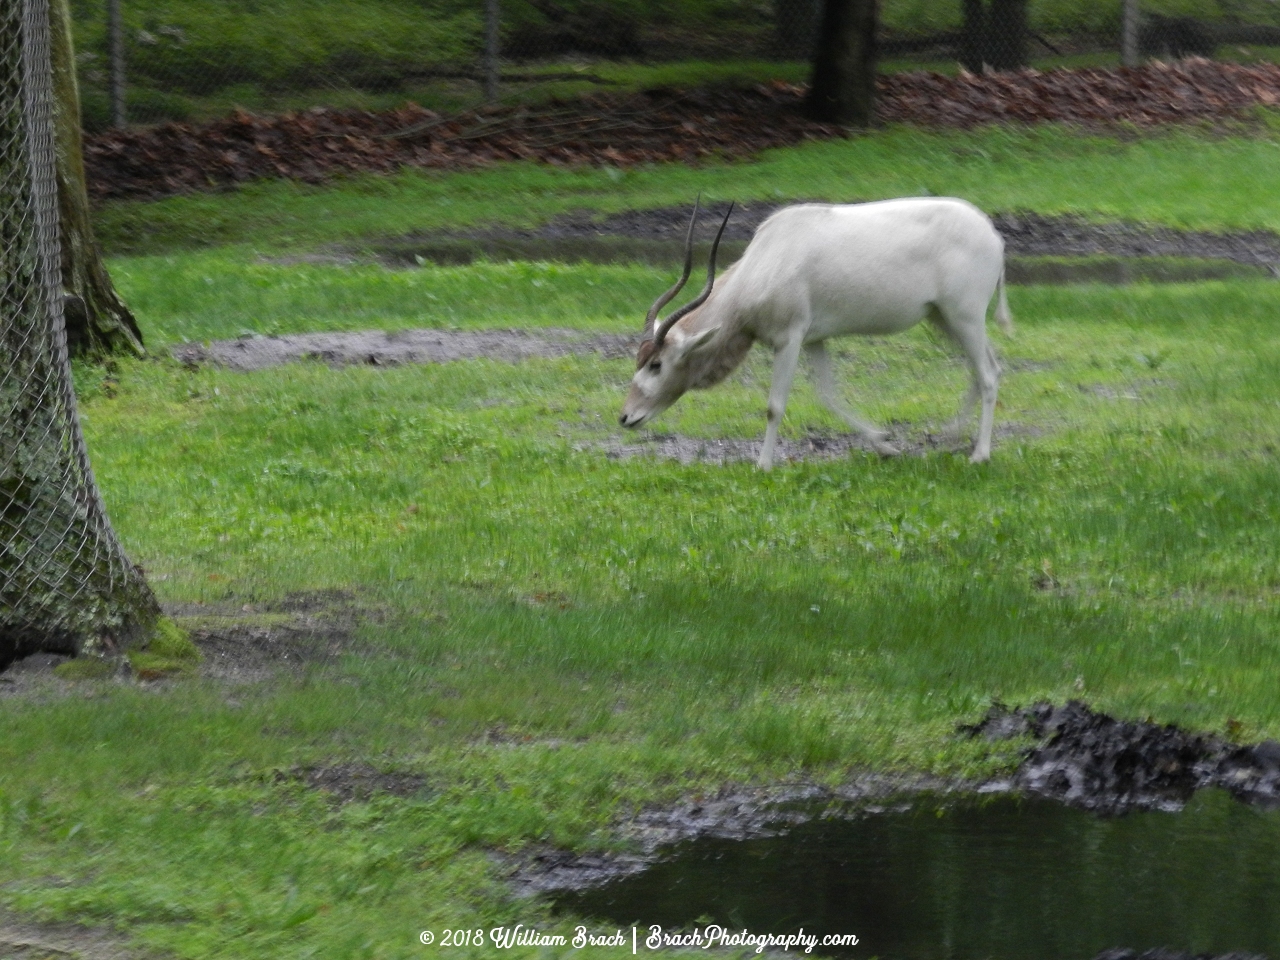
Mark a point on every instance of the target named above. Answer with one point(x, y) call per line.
point(649, 127)
point(1153, 94)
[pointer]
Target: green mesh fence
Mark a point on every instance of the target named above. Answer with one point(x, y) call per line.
point(201, 58)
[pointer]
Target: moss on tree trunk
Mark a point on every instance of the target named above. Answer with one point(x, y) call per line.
point(97, 320)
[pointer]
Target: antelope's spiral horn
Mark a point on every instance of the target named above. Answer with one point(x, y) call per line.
point(666, 298)
point(698, 301)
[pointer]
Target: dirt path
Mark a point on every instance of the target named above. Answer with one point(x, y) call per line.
point(22, 940)
point(378, 348)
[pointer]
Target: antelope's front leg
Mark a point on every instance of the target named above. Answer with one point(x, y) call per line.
point(785, 359)
point(824, 382)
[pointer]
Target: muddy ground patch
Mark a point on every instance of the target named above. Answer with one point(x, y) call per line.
point(658, 234)
point(357, 781)
point(910, 440)
point(238, 642)
point(1090, 760)
point(380, 349)
point(249, 642)
point(23, 940)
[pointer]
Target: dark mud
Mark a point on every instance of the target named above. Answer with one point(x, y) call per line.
point(238, 642)
point(245, 643)
point(33, 677)
point(1093, 761)
point(378, 348)
point(649, 231)
point(910, 441)
point(357, 782)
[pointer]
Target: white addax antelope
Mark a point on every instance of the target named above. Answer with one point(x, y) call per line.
point(817, 271)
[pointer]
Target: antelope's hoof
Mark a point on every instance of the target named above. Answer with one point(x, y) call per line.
point(980, 456)
point(885, 449)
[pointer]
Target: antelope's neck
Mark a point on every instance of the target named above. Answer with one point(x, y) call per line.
point(724, 353)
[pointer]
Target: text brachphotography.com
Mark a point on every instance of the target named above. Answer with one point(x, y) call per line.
point(635, 939)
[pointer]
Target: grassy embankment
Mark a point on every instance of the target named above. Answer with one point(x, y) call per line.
point(555, 638)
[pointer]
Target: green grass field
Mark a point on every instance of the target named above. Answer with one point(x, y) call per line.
point(554, 639)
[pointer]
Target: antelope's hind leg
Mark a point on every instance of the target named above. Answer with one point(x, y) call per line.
point(972, 338)
point(785, 359)
point(824, 384)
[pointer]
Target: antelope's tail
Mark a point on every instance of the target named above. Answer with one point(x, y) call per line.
point(1003, 317)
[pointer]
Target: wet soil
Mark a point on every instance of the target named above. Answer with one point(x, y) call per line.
point(238, 642)
point(379, 348)
point(1096, 762)
point(248, 643)
point(1026, 234)
point(352, 782)
point(33, 677)
point(23, 940)
point(910, 441)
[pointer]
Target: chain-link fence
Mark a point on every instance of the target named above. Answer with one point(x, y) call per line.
point(146, 61)
point(64, 580)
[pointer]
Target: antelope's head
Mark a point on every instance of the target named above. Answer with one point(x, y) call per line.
point(663, 369)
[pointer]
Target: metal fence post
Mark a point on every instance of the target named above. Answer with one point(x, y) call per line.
point(115, 45)
point(492, 18)
point(1129, 36)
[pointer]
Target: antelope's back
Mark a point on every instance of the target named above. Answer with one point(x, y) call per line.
point(885, 261)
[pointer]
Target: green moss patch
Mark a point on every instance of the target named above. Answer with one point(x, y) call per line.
point(169, 652)
point(85, 668)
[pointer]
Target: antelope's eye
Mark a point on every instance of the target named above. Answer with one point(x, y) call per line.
point(655, 366)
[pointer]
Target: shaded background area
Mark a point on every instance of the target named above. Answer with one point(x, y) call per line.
point(197, 59)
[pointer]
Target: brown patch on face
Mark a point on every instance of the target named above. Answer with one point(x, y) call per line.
point(647, 347)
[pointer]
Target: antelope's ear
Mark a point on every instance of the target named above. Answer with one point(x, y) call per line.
point(696, 341)
point(644, 353)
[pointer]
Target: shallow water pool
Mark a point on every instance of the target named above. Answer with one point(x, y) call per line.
point(998, 877)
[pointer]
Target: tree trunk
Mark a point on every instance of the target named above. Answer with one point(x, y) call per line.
point(973, 50)
point(97, 320)
point(843, 88)
point(65, 583)
point(1008, 26)
point(995, 34)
